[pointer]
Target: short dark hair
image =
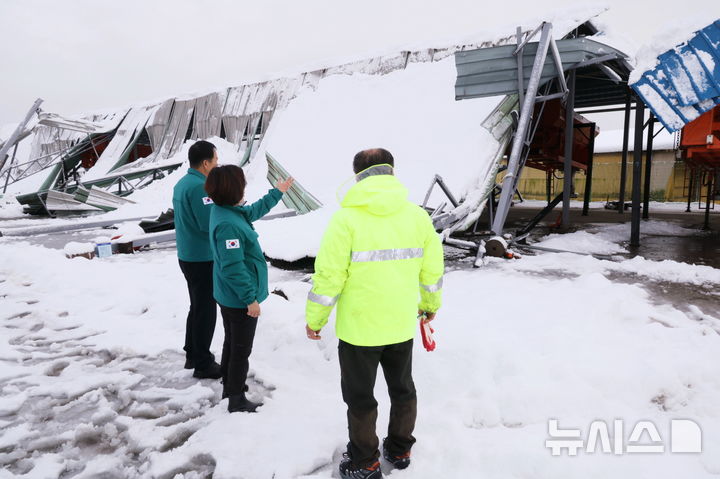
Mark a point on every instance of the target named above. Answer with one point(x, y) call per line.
point(375, 156)
point(200, 151)
point(226, 185)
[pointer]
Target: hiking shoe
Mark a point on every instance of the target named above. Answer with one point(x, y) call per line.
point(210, 372)
point(349, 471)
point(239, 403)
point(398, 462)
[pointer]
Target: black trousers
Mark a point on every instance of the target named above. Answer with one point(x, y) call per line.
point(200, 325)
point(358, 370)
point(239, 337)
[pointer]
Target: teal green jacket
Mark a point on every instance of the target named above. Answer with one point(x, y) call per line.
point(240, 274)
point(192, 217)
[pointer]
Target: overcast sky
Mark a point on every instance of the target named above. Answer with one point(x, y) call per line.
point(84, 55)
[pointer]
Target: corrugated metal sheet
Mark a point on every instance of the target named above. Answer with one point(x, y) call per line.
point(178, 127)
point(118, 150)
point(158, 124)
point(208, 115)
point(167, 129)
point(686, 82)
point(59, 201)
point(493, 71)
point(297, 198)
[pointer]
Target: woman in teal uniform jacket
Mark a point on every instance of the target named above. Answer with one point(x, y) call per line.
point(240, 278)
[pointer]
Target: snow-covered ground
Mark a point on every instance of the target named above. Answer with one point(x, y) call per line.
point(92, 383)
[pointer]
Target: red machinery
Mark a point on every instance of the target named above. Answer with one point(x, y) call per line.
point(700, 141)
point(700, 148)
point(547, 150)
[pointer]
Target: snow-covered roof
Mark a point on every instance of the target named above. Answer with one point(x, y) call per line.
point(249, 107)
point(610, 141)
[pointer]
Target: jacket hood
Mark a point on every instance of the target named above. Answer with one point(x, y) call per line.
point(380, 194)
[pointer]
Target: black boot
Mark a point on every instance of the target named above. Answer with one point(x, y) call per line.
point(398, 462)
point(239, 403)
point(210, 372)
point(189, 364)
point(226, 395)
point(350, 471)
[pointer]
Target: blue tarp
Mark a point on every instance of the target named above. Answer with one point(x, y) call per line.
point(686, 82)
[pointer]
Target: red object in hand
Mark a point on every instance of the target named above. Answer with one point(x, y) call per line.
point(427, 331)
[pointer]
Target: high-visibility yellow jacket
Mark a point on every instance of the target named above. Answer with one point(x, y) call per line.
point(380, 260)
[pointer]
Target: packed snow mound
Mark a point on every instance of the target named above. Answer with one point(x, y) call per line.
point(412, 113)
point(582, 242)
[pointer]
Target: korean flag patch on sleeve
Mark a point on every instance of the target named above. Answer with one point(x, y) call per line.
point(232, 244)
point(207, 200)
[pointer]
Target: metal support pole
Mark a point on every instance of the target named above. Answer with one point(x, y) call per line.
point(711, 177)
point(623, 167)
point(558, 66)
point(690, 190)
point(637, 173)
point(520, 138)
point(548, 185)
point(521, 75)
point(446, 190)
point(589, 172)
point(18, 131)
point(648, 168)
point(9, 169)
point(539, 217)
point(491, 208)
point(567, 160)
point(97, 155)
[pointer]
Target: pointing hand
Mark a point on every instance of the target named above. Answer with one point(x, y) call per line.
point(285, 185)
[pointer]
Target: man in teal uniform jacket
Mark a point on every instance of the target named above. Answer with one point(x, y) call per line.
point(192, 220)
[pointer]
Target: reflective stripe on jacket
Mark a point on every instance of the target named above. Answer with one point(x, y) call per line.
point(380, 261)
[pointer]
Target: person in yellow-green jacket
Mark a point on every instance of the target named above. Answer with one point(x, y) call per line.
point(382, 262)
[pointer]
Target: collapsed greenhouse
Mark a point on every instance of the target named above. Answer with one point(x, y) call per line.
point(310, 125)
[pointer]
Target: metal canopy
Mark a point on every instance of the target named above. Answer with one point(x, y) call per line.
point(533, 73)
point(494, 71)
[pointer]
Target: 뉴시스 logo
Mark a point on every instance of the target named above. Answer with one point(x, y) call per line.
point(685, 436)
point(232, 244)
